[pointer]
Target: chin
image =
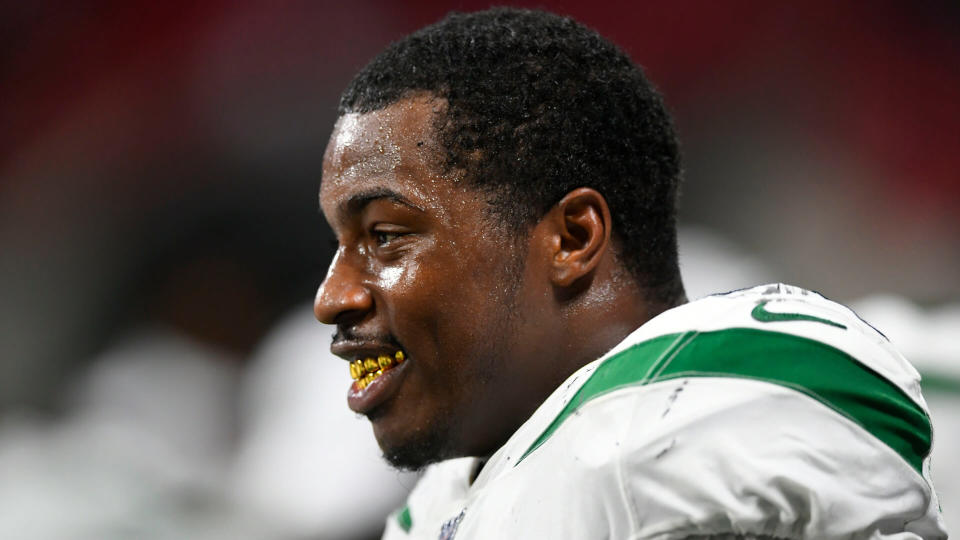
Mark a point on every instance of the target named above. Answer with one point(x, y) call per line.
point(415, 454)
point(412, 449)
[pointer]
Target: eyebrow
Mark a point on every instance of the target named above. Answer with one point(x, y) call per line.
point(358, 201)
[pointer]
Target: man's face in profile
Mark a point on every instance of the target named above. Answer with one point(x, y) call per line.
point(421, 268)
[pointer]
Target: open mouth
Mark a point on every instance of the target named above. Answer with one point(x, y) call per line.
point(365, 371)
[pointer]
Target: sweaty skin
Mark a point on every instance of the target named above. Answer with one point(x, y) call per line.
point(490, 323)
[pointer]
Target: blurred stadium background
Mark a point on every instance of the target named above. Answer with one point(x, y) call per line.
point(160, 240)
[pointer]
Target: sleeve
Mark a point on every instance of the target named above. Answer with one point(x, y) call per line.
point(729, 457)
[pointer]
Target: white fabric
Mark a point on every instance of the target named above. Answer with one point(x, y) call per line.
point(695, 456)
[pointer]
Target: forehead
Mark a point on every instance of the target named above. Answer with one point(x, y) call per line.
point(393, 148)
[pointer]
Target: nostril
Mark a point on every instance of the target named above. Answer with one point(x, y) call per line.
point(339, 302)
point(349, 318)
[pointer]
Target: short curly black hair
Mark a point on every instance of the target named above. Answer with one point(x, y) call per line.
point(539, 105)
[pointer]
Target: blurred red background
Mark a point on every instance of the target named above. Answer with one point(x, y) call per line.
point(821, 136)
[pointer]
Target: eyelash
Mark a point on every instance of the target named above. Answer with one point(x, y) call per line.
point(383, 238)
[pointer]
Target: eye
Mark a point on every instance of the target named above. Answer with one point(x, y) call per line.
point(383, 238)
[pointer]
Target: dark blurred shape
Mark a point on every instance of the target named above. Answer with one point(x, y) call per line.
point(222, 262)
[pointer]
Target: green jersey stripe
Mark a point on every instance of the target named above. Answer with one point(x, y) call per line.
point(404, 520)
point(816, 369)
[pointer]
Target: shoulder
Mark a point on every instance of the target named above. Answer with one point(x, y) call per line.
point(780, 335)
point(766, 411)
point(800, 331)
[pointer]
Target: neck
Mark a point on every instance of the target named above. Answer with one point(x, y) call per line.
point(608, 312)
point(591, 322)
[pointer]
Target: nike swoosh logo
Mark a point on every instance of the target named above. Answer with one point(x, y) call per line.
point(761, 314)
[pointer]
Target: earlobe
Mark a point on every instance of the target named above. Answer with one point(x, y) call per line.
point(581, 235)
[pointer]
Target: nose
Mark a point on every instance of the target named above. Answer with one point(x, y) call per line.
point(342, 295)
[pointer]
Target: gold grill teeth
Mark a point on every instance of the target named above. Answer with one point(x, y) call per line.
point(356, 370)
point(366, 370)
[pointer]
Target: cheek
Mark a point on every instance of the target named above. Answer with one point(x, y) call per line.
point(391, 277)
point(408, 292)
point(399, 280)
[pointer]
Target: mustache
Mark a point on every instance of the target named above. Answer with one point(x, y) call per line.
point(351, 336)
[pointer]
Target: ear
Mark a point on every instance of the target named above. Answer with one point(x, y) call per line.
point(580, 235)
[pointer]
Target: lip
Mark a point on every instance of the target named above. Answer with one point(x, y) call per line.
point(351, 350)
point(364, 400)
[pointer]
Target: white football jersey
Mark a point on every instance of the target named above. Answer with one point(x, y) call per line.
point(769, 411)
